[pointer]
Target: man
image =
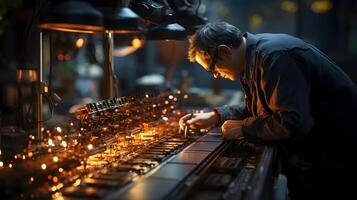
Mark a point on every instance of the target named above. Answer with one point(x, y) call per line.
point(296, 98)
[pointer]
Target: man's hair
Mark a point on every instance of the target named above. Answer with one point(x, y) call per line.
point(212, 35)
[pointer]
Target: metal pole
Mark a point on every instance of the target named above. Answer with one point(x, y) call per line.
point(39, 97)
point(110, 75)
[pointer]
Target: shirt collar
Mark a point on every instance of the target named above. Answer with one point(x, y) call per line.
point(251, 41)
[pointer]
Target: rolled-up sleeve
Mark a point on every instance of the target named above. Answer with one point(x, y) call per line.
point(285, 87)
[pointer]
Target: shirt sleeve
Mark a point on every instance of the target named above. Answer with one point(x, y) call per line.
point(285, 87)
point(231, 113)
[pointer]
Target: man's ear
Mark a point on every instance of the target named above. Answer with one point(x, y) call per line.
point(224, 50)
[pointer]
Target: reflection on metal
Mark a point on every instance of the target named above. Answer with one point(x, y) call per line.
point(264, 176)
point(72, 28)
point(39, 97)
point(110, 75)
point(26, 75)
point(72, 16)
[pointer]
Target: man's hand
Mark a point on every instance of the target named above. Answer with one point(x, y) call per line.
point(199, 120)
point(232, 130)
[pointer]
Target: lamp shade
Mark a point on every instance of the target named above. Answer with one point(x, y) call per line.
point(122, 20)
point(165, 31)
point(72, 16)
point(164, 26)
point(190, 20)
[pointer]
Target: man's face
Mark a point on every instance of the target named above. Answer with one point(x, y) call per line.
point(222, 67)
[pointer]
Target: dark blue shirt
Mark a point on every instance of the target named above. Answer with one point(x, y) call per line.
point(298, 98)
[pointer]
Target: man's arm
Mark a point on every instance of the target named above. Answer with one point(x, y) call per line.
point(286, 89)
point(231, 113)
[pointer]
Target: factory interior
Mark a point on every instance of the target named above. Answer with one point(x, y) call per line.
point(92, 93)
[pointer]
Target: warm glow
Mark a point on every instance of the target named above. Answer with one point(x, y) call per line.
point(54, 188)
point(124, 51)
point(289, 6)
point(77, 183)
point(71, 27)
point(59, 186)
point(55, 158)
point(256, 21)
point(55, 179)
point(80, 42)
point(64, 144)
point(59, 129)
point(321, 6)
point(136, 43)
point(43, 166)
point(45, 89)
point(26, 75)
point(50, 142)
point(90, 146)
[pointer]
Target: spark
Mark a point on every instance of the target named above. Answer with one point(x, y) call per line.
point(55, 158)
point(59, 129)
point(64, 144)
point(43, 166)
point(50, 142)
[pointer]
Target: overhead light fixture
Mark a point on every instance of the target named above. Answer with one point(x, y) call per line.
point(162, 19)
point(122, 20)
point(187, 13)
point(73, 16)
point(190, 20)
point(167, 30)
